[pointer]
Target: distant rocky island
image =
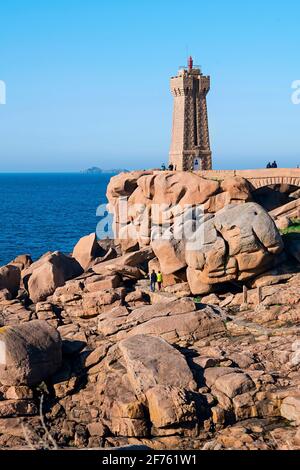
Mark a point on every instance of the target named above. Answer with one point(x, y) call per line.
point(94, 170)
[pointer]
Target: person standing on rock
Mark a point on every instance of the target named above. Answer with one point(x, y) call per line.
point(153, 280)
point(159, 280)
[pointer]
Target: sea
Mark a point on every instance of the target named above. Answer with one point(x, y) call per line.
point(43, 212)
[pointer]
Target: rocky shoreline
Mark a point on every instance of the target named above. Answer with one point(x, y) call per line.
point(90, 357)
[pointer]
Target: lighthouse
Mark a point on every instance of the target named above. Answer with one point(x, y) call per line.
point(190, 143)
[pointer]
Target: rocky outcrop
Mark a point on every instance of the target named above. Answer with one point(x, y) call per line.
point(283, 223)
point(131, 261)
point(165, 374)
point(22, 262)
point(236, 244)
point(286, 212)
point(162, 196)
point(172, 188)
point(49, 272)
point(290, 409)
point(178, 321)
point(87, 250)
point(10, 277)
point(149, 379)
point(218, 241)
point(112, 364)
point(29, 353)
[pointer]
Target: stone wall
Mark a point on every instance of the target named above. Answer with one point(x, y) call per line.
point(258, 178)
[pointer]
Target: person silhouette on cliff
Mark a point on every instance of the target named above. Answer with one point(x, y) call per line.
point(153, 280)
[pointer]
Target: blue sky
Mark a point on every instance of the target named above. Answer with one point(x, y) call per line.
point(88, 81)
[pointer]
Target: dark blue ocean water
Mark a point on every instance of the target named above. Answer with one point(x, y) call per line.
point(47, 212)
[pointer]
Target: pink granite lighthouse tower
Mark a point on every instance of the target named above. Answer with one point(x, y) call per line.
point(190, 145)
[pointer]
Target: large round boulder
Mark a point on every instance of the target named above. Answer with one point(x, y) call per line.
point(239, 242)
point(29, 353)
point(48, 273)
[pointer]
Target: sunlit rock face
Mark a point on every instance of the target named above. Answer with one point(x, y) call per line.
point(29, 353)
point(206, 227)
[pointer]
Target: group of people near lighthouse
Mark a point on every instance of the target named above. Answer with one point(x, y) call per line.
point(156, 278)
point(272, 165)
